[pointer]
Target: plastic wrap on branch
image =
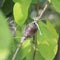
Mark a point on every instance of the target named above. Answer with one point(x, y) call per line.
point(30, 30)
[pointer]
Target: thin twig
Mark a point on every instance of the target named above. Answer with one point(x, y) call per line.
point(44, 9)
point(34, 38)
point(19, 46)
point(35, 44)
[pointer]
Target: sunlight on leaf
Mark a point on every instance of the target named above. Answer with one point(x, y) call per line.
point(20, 11)
point(5, 38)
point(47, 42)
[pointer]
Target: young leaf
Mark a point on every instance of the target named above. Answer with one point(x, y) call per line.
point(20, 11)
point(56, 4)
point(47, 42)
point(5, 38)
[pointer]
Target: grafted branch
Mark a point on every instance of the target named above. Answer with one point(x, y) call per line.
point(29, 32)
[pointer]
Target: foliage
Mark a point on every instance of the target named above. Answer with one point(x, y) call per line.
point(7, 7)
point(56, 5)
point(5, 37)
point(47, 36)
point(22, 8)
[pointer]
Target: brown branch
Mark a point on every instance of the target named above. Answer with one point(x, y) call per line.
point(34, 37)
point(44, 9)
point(19, 46)
point(35, 44)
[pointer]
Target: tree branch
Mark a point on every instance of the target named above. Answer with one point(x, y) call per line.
point(44, 9)
point(19, 46)
point(34, 37)
point(35, 44)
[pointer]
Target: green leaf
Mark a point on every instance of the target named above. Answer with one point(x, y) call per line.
point(47, 40)
point(19, 32)
point(17, 0)
point(30, 55)
point(1, 3)
point(7, 7)
point(20, 11)
point(56, 4)
point(38, 56)
point(35, 1)
point(5, 38)
point(25, 49)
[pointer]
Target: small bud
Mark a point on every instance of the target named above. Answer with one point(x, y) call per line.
point(30, 30)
